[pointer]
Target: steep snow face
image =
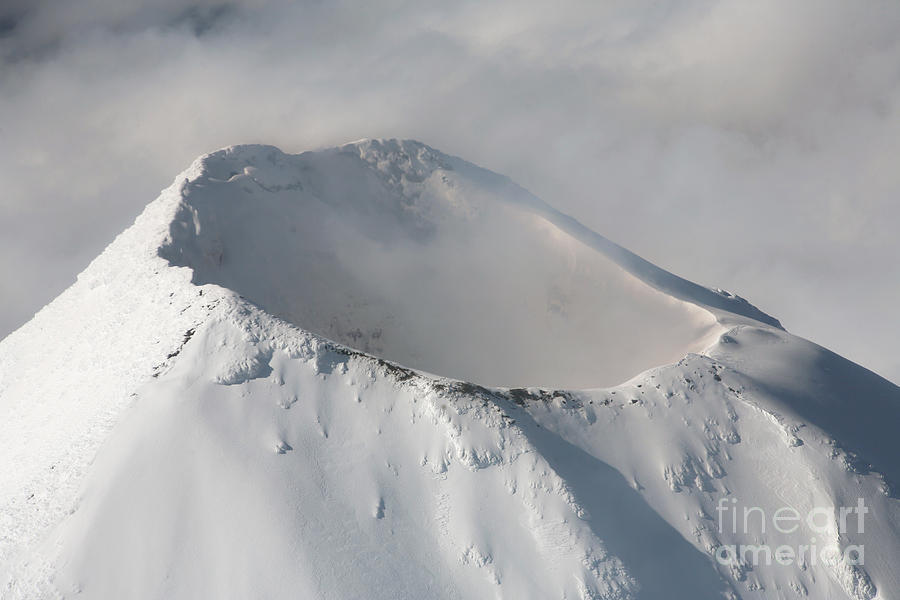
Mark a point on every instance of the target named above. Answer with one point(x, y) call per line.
point(400, 251)
point(267, 462)
point(67, 375)
point(163, 437)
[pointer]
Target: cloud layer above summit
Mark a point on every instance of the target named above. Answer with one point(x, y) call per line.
point(752, 146)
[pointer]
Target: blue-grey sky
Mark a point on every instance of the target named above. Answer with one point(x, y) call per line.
point(751, 146)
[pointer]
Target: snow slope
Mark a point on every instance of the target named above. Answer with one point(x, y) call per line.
point(235, 400)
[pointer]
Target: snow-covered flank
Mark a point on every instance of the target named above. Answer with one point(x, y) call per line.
point(164, 437)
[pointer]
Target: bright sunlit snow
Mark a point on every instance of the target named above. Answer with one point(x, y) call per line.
point(271, 387)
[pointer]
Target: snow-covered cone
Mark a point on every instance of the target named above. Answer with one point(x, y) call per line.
point(378, 371)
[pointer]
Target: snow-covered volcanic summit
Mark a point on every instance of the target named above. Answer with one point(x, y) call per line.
point(397, 250)
point(378, 371)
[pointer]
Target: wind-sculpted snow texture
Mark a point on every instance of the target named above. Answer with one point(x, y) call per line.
point(235, 400)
